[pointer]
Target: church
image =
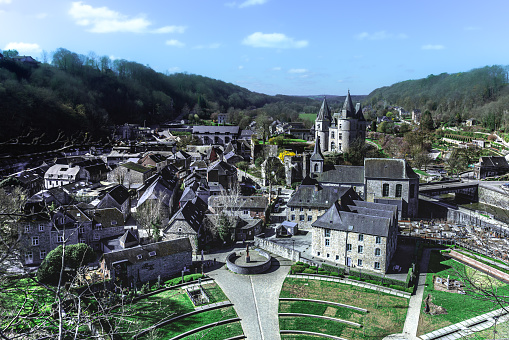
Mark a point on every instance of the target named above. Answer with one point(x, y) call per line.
point(337, 132)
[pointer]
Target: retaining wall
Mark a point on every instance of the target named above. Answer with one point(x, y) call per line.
point(277, 249)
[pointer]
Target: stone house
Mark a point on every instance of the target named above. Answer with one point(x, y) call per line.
point(160, 192)
point(312, 199)
point(222, 174)
point(149, 262)
point(187, 222)
point(365, 237)
point(242, 206)
point(130, 174)
point(491, 166)
point(344, 175)
point(392, 181)
point(116, 197)
point(154, 160)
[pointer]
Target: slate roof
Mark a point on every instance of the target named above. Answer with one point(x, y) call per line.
point(136, 167)
point(342, 174)
point(245, 202)
point(119, 193)
point(199, 165)
point(161, 249)
point(191, 212)
point(317, 196)
point(388, 168)
point(224, 168)
point(348, 106)
point(371, 212)
point(336, 219)
point(234, 130)
point(158, 190)
point(324, 112)
point(106, 216)
point(379, 206)
point(494, 161)
point(188, 194)
point(317, 153)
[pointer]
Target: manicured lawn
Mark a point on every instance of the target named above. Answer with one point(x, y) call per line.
point(218, 333)
point(308, 116)
point(194, 321)
point(459, 307)
point(169, 304)
point(386, 313)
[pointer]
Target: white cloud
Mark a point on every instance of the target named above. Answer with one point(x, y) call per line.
point(276, 68)
point(273, 40)
point(241, 67)
point(381, 35)
point(432, 47)
point(174, 69)
point(5, 1)
point(23, 48)
point(209, 46)
point(297, 70)
point(175, 43)
point(170, 29)
point(105, 20)
point(248, 3)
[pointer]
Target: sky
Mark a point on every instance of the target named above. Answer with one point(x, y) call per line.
point(291, 47)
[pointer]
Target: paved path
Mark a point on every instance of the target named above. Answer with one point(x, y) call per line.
point(255, 297)
point(414, 306)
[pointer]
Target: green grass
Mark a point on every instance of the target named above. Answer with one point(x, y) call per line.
point(386, 314)
point(420, 172)
point(16, 292)
point(195, 321)
point(308, 116)
point(218, 333)
point(459, 307)
point(214, 293)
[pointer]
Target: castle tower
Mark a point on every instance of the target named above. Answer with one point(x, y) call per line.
point(316, 164)
point(351, 125)
point(322, 124)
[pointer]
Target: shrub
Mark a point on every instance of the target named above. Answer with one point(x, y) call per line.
point(309, 271)
point(334, 274)
point(323, 272)
point(313, 267)
point(298, 268)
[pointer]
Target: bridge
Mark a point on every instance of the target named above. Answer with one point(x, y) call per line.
point(465, 189)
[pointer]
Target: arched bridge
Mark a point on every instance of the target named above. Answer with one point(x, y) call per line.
point(465, 189)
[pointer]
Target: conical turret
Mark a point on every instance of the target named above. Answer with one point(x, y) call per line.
point(324, 113)
point(348, 108)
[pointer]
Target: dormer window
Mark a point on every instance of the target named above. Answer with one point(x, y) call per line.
point(152, 253)
point(139, 257)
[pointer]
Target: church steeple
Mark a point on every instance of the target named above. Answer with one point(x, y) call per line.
point(317, 153)
point(316, 164)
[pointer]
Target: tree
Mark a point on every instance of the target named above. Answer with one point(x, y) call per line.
point(224, 222)
point(148, 216)
point(359, 150)
point(9, 54)
point(72, 256)
point(263, 126)
point(427, 123)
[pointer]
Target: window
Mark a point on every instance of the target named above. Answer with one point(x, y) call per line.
point(41, 227)
point(60, 239)
point(327, 232)
point(359, 263)
point(378, 240)
point(246, 212)
point(139, 257)
point(360, 249)
point(377, 265)
point(152, 253)
point(81, 230)
point(27, 228)
point(317, 253)
point(42, 254)
point(332, 134)
point(385, 190)
point(81, 240)
point(29, 257)
point(349, 247)
point(310, 218)
point(316, 167)
point(113, 222)
point(361, 237)
point(301, 217)
point(292, 208)
point(337, 257)
point(301, 209)
point(332, 146)
point(328, 255)
point(377, 252)
point(293, 217)
point(35, 240)
point(399, 190)
point(96, 237)
point(327, 242)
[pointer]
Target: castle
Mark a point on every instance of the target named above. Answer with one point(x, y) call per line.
point(337, 132)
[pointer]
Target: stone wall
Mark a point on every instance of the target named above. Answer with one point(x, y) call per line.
point(480, 266)
point(277, 249)
point(410, 204)
point(295, 216)
point(164, 266)
point(247, 270)
point(495, 197)
point(241, 174)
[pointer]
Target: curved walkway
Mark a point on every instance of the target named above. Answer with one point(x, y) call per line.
point(255, 297)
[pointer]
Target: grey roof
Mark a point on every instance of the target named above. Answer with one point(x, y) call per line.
point(371, 212)
point(335, 218)
point(119, 193)
point(224, 168)
point(388, 168)
point(213, 129)
point(358, 111)
point(245, 202)
point(343, 174)
point(494, 161)
point(348, 106)
point(161, 249)
point(378, 206)
point(192, 212)
point(324, 112)
point(317, 153)
point(158, 190)
point(106, 216)
point(316, 196)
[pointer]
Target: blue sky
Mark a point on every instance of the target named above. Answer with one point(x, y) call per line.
point(292, 47)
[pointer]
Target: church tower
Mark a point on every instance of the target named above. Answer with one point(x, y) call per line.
point(316, 164)
point(322, 124)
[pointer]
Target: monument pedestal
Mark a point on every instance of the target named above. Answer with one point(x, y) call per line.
point(248, 259)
